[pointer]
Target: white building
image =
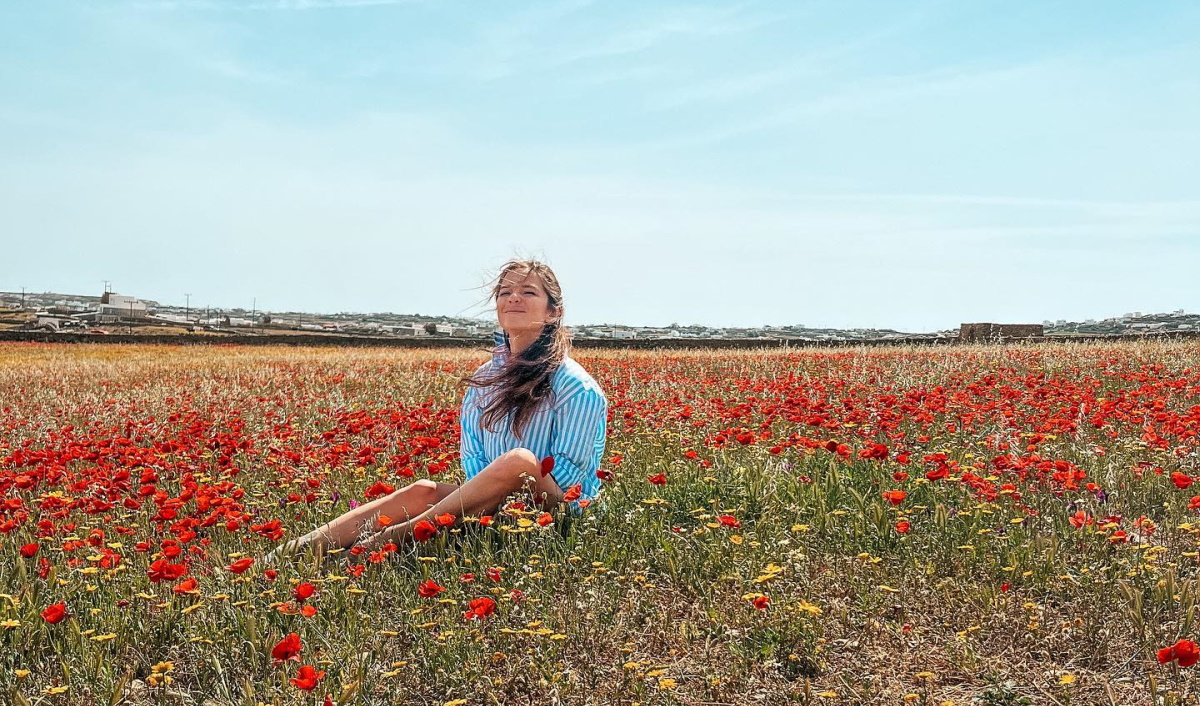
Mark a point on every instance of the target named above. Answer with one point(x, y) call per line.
point(622, 333)
point(119, 307)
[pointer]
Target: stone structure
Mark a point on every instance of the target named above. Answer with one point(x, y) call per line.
point(995, 333)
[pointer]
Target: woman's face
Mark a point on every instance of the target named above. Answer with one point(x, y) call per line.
point(521, 303)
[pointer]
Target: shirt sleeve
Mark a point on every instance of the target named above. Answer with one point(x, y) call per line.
point(580, 426)
point(471, 440)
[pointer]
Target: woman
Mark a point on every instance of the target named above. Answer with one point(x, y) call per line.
point(532, 419)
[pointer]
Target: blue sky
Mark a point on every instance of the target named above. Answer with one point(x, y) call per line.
point(909, 165)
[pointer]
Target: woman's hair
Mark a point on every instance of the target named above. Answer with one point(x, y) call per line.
point(524, 381)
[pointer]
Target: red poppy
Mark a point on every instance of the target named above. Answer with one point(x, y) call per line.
point(378, 490)
point(186, 586)
point(163, 570)
point(657, 479)
point(938, 473)
point(1184, 652)
point(480, 608)
point(1181, 480)
point(287, 648)
point(424, 530)
point(876, 452)
point(903, 526)
point(729, 521)
point(241, 565)
point(605, 475)
point(55, 613)
point(384, 521)
point(573, 493)
point(308, 611)
point(307, 678)
point(445, 519)
point(304, 591)
point(895, 497)
point(29, 550)
point(547, 465)
point(545, 518)
point(493, 574)
point(761, 602)
point(429, 589)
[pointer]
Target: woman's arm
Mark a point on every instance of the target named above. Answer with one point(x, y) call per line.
point(471, 439)
point(580, 428)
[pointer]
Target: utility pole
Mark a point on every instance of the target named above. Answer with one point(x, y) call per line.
point(131, 316)
point(22, 299)
point(253, 309)
point(187, 307)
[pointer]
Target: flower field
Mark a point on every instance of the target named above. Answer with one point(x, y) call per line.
point(968, 525)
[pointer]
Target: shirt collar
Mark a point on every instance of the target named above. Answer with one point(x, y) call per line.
point(500, 352)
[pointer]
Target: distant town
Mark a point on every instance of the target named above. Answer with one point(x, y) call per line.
point(111, 313)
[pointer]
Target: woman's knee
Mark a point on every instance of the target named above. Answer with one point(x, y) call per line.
point(423, 487)
point(420, 493)
point(521, 455)
point(515, 467)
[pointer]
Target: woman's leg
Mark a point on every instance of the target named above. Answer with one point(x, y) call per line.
point(513, 471)
point(345, 530)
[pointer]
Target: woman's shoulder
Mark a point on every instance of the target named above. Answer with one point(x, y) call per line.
point(571, 379)
point(481, 373)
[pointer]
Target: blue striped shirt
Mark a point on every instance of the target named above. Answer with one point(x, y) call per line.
point(572, 429)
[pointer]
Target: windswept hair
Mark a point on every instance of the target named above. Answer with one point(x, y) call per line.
point(523, 383)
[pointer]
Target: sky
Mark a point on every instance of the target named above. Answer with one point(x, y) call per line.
point(904, 165)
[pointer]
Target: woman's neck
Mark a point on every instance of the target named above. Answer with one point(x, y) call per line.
point(518, 341)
